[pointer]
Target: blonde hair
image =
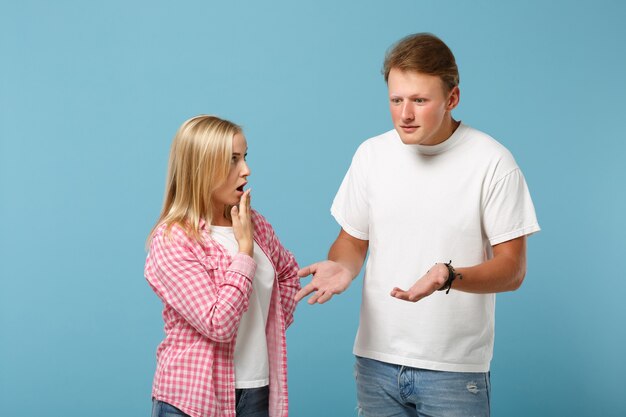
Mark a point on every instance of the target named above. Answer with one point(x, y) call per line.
point(199, 163)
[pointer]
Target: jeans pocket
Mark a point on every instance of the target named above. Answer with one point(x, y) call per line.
point(163, 409)
point(240, 399)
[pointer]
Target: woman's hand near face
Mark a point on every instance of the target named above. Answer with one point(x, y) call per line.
point(242, 224)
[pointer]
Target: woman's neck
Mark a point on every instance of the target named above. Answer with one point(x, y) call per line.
point(222, 222)
point(220, 219)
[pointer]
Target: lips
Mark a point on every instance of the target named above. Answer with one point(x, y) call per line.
point(240, 188)
point(409, 128)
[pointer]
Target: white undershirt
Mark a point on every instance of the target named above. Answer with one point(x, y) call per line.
point(251, 358)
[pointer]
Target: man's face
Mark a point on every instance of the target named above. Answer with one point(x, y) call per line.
point(420, 107)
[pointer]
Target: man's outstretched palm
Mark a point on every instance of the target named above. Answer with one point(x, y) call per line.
point(329, 278)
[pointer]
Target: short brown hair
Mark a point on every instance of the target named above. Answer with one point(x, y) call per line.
point(425, 53)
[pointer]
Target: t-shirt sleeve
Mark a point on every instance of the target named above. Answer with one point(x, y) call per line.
point(350, 207)
point(508, 210)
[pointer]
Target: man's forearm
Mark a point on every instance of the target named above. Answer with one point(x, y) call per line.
point(349, 252)
point(504, 272)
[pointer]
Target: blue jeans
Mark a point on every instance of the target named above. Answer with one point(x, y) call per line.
point(161, 409)
point(253, 402)
point(250, 402)
point(386, 390)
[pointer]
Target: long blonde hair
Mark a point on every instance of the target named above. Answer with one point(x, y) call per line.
point(199, 163)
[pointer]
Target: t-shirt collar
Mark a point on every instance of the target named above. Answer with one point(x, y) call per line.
point(449, 143)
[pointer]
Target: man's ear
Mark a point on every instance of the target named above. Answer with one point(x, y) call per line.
point(453, 98)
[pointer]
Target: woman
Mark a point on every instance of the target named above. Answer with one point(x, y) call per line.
point(226, 282)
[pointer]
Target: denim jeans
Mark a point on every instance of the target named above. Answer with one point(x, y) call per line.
point(161, 409)
point(250, 402)
point(385, 390)
point(253, 402)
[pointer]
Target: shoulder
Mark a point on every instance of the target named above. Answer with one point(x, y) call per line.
point(258, 217)
point(488, 150)
point(485, 142)
point(172, 238)
point(379, 141)
point(261, 225)
point(377, 145)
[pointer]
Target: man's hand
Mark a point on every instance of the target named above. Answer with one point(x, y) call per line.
point(425, 286)
point(329, 278)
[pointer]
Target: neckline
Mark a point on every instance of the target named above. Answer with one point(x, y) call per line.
point(222, 228)
point(447, 144)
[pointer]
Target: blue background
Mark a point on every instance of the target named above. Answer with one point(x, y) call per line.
point(92, 93)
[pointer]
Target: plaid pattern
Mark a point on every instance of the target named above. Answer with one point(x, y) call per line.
point(205, 292)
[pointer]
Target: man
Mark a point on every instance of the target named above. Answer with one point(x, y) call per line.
point(440, 206)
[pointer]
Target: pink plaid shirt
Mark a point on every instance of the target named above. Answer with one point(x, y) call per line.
point(205, 292)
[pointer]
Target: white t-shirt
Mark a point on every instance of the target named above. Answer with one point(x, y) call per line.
point(251, 359)
point(418, 205)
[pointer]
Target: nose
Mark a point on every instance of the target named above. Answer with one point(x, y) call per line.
point(245, 169)
point(407, 112)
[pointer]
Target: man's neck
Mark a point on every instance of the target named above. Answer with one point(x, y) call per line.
point(448, 130)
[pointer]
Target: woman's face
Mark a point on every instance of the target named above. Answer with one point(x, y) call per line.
point(230, 192)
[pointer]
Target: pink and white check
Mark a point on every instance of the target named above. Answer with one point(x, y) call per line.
point(205, 292)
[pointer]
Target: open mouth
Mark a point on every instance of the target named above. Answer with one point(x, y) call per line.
point(240, 188)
